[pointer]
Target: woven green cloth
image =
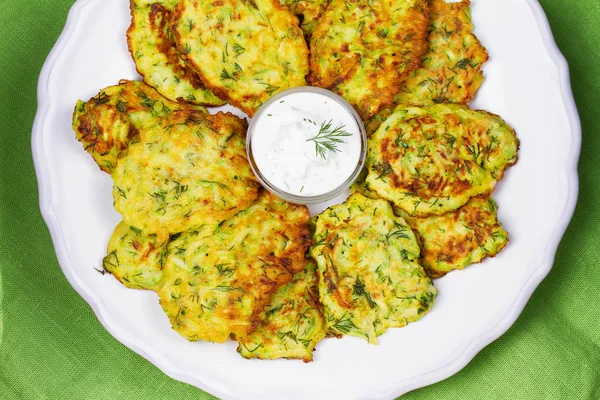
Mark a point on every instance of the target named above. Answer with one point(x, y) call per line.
point(52, 346)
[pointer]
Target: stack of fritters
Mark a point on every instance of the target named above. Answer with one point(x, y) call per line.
point(196, 229)
point(438, 163)
point(229, 260)
point(109, 122)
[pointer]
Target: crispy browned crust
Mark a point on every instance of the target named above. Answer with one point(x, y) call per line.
point(435, 274)
point(482, 223)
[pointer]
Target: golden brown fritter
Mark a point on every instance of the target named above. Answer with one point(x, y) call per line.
point(244, 50)
point(369, 275)
point(364, 49)
point(451, 70)
point(218, 281)
point(135, 259)
point(459, 238)
point(432, 160)
point(155, 54)
point(309, 13)
point(292, 324)
point(109, 122)
point(189, 169)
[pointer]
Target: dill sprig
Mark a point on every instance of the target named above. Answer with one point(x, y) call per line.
point(328, 139)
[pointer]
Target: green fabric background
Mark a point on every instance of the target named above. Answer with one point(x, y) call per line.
point(52, 345)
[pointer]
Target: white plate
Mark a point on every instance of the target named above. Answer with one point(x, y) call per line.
point(527, 83)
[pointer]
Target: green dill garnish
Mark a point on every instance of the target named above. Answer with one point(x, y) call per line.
point(328, 139)
point(384, 170)
point(121, 192)
point(238, 49)
point(179, 189)
point(463, 64)
point(475, 151)
point(112, 260)
point(225, 75)
point(122, 106)
point(270, 89)
point(399, 233)
point(254, 349)
point(344, 325)
point(102, 98)
point(359, 290)
point(147, 102)
point(219, 184)
point(225, 270)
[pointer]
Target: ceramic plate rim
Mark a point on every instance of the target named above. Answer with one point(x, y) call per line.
point(448, 369)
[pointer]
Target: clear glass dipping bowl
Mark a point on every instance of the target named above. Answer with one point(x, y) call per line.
point(299, 199)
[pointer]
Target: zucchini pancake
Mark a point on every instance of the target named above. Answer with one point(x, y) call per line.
point(155, 54)
point(189, 169)
point(244, 50)
point(451, 70)
point(217, 282)
point(109, 122)
point(460, 238)
point(431, 160)
point(369, 275)
point(292, 324)
point(135, 259)
point(363, 50)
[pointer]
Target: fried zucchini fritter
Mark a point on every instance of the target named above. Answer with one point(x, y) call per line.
point(244, 50)
point(109, 122)
point(309, 13)
point(189, 169)
point(218, 281)
point(432, 160)
point(155, 54)
point(369, 276)
point(135, 259)
point(459, 238)
point(292, 324)
point(451, 70)
point(364, 49)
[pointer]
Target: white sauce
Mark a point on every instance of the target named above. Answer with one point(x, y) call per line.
point(287, 158)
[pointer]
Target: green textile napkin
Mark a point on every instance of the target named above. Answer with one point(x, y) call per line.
point(53, 347)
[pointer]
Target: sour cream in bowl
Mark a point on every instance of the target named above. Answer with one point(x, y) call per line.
point(306, 145)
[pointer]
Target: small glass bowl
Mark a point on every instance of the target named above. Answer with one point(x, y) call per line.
point(299, 199)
